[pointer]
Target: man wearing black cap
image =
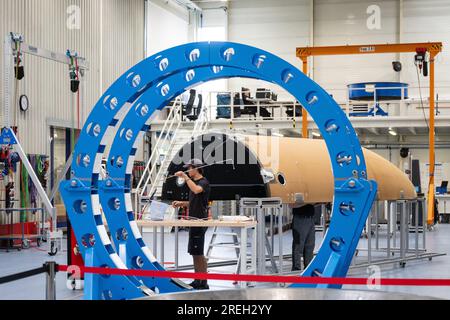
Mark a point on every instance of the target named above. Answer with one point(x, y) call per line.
point(198, 208)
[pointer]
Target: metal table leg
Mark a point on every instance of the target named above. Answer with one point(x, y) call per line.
point(243, 254)
point(162, 246)
point(416, 215)
point(176, 248)
point(403, 228)
point(369, 237)
point(280, 241)
point(271, 211)
point(377, 235)
point(261, 231)
point(394, 220)
point(408, 208)
point(388, 233)
point(254, 238)
point(155, 241)
point(424, 222)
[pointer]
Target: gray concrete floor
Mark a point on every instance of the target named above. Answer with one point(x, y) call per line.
point(438, 241)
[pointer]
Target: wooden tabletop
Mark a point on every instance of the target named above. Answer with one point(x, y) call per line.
point(196, 223)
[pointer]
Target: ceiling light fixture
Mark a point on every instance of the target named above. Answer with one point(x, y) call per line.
point(392, 132)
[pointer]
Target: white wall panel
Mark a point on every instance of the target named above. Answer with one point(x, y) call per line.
point(428, 21)
point(111, 37)
point(275, 26)
point(167, 26)
point(345, 22)
point(213, 15)
point(122, 37)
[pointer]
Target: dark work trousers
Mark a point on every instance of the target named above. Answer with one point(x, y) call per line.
point(304, 238)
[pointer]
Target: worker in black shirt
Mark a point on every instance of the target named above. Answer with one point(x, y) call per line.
point(303, 235)
point(198, 208)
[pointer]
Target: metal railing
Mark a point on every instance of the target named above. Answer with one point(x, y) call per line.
point(199, 127)
point(201, 124)
point(166, 136)
point(408, 104)
point(49, 268)
point(286, 108)
point(252, 108)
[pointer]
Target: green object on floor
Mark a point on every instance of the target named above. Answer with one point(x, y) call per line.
point(24, 192)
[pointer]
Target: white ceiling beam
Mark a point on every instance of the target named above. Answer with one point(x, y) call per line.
point(188, 4)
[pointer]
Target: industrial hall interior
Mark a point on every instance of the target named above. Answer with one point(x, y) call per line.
point(225, 150)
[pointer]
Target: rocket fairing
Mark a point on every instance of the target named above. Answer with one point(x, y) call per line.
point(269, 166)
point(306, 169)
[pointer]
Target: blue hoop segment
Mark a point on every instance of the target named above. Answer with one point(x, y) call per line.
point(149, 86)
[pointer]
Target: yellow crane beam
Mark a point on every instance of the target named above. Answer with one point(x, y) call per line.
point(434, 48)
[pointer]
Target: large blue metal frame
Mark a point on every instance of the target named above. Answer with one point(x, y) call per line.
point(149, 86)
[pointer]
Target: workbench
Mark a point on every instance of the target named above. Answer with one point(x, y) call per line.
point(23, 237)
point(243, 226)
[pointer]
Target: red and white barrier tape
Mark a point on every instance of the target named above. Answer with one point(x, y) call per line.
point(264, 278)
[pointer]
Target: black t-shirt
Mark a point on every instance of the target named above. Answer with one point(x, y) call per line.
point(306, 210)
point(198, 203)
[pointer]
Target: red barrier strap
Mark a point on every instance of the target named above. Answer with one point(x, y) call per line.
point(263, 278)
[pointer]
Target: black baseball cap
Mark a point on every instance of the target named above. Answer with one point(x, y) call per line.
point(195, 163)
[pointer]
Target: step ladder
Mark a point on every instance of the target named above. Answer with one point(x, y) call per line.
point(214, 243)
point(223, 238)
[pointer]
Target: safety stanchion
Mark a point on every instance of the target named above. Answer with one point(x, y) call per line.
point(50, 280)
point(49, 268)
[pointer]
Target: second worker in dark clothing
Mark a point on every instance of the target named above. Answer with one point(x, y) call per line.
point(199, 190)
point(303, 236)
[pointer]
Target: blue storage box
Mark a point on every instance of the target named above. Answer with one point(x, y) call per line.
point(365, 91)
point(223, 105)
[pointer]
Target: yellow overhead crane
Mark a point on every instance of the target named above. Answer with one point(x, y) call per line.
point(433, 48)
